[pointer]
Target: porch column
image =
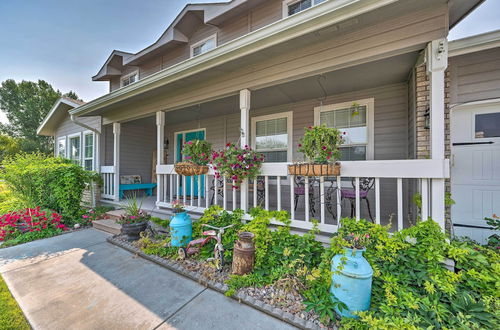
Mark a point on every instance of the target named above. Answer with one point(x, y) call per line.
point(245, 95)
point(160, 149)
point(116, 159)
point(437, 62)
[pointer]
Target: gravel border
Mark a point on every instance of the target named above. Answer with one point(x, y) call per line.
point(222, 288)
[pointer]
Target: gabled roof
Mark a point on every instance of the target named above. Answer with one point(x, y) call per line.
point(474, 43)
point(59, 111)
point(113, 65)
point(208, 13)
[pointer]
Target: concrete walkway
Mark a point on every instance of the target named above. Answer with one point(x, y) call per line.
point(79, 281)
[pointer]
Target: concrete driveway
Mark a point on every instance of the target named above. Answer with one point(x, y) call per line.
point(79, 281)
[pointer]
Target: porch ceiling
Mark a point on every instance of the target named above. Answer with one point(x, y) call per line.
point(383, 72)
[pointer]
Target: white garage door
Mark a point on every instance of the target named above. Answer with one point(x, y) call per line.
point(475, 168)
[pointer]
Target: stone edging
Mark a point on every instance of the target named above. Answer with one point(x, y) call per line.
point(222, 288)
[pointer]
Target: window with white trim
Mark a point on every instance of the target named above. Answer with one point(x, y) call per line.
point(355, 121)
point(292, 7)
point(272, 136)
point(75, 146)
point(130, 79)
point(204, 46)
point(88, 151)
point(61, 147)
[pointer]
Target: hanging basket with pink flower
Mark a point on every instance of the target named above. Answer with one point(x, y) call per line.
point(197, 156)
point(321, 147)
point(237, 164)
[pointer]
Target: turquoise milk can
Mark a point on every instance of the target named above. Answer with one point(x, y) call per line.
point(353, 284)
point(181, 229)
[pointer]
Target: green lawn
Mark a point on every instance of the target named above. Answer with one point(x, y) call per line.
point(11, 316)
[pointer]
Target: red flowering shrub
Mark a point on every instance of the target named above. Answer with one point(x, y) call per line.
point(16, 223)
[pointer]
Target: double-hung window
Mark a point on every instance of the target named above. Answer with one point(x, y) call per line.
point(61, 147)
point(204, 46)
point(292, 7)
point(130, 79)
point(272, 136)
point(355, 121)
point(75, 146)
point(88, 151)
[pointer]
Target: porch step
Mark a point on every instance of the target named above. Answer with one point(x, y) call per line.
point(107, 225)
point(115, 214)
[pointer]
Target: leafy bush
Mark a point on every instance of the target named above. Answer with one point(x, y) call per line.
point(48, 182)
point(28, 225)
point(217, 217)
point(412, 288)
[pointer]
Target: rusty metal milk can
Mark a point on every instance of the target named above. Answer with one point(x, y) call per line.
point(244, 254)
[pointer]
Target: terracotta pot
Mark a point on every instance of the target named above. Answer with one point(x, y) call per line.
point(314, 169)
point(188, 169)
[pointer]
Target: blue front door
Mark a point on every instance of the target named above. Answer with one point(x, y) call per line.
point(181, 139)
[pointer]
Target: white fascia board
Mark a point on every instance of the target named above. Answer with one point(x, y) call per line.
point(474, 44)
point(53, 111)
point(315, 18)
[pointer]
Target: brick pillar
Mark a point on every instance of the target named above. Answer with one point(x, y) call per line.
point(422, 142)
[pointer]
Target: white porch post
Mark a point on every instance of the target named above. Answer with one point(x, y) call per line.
point(160, 138)
point(437, 62)
point(116, 159)
point(245, 95)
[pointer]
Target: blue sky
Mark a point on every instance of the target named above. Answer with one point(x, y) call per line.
point(65, 42)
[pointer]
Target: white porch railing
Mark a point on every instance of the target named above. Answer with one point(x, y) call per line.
point(270, 190)
point(108, 178)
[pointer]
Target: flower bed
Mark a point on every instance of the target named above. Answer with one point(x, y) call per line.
point(29, 225)
point(411, 287)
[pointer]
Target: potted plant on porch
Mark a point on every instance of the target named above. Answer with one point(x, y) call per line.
point(134, 221)
point(321, 147)
point(197, 156)
point(236, 163)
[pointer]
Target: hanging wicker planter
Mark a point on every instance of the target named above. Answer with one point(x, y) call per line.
point(314, 169)
point(188, 169)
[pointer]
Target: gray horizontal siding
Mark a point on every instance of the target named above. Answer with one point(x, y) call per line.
point(475, 76)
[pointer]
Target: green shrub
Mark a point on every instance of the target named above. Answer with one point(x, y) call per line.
point(411, 287)
point(48, 182)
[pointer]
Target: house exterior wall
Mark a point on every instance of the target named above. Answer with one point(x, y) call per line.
point(411, 31)
point(266, 13)
point(137, 144)
point(475, 77)
point(390, 124)
point(67, 127)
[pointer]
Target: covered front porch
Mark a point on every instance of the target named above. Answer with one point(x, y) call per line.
point(379, 173)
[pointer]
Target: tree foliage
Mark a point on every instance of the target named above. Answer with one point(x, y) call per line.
point(25, 105)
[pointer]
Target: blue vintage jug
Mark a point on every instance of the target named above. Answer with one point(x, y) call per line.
point(181, 229)
point(353, 284)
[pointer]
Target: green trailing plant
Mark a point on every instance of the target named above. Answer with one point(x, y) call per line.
point(160, 222)
point(197, 152)
point(494, 240)
point(321, 144)
point(217, 217)
point(48, 182)
point(236, 163)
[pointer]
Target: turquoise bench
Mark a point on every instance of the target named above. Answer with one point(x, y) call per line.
point(148, 187)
